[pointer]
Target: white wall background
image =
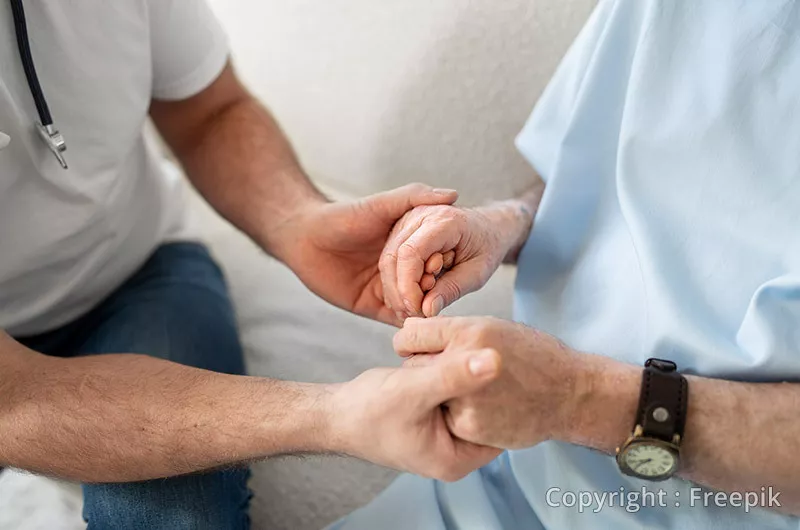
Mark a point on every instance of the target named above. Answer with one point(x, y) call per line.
point(378, 93)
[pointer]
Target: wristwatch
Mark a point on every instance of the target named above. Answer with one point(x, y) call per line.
point(652, 452)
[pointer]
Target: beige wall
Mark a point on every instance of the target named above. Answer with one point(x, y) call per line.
point(375, 93)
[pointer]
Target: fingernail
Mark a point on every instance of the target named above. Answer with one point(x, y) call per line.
point(482, 364)
point(408, 305)
point(401, 316)
point(438, 305)
point(444, 191)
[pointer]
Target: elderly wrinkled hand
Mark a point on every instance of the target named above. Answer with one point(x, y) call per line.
point(437, 254)
point(535, 396)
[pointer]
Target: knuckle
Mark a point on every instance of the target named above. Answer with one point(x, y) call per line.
point(406, 252)
point(459, 218)
point(467, 424)
point(479, 332)
point(386, 260)
point(484, 323)
point(447, 215)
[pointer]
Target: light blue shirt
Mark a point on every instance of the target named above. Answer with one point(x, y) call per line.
point(669, 139)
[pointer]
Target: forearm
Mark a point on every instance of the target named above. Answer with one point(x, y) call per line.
point(738, 437)
point(114, 418)
point(236, 155)
point(515, 217)
point(246, 169)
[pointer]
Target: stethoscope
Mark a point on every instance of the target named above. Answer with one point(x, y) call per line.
point(47, 131)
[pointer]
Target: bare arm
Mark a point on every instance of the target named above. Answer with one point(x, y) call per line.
point(517, 214)
point(236, 155)
point(132, 417)
point(739, 436)
point(240, 161)
point(120, 418)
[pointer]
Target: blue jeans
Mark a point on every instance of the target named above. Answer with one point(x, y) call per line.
point(175, 307)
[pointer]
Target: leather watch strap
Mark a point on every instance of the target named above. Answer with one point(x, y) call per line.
point(663, 401)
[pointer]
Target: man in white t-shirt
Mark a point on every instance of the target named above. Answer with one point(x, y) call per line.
point(94, 259)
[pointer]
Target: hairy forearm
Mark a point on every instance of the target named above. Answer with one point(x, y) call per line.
point(115, 418)
point(514, 218)
point(738, 437)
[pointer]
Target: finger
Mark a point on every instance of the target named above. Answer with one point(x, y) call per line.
point(422, 359)
point(435, 263)
point(390, 317)
point(390, 206)
point(427, 282)
point(452, 285)
point(421, 335)
point(387, 264)
point(413, 255)
point(463, 422)
point(384, 313)
point(472, 456)
point(459, 375)
point(448, 259)
point(465, 426)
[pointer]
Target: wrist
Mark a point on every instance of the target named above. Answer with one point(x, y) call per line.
point(513, 220)
point(337, 435)
point(284, 226)
point(307, 413)
point(601, 413)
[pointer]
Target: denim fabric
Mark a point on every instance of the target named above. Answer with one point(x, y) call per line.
point(175, 307)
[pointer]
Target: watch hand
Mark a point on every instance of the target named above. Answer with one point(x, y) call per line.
point(643, 462)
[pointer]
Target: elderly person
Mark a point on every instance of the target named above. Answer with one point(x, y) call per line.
point(665, 253)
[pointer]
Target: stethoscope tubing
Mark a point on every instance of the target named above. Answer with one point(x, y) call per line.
point(45, 128)
point(24, 47)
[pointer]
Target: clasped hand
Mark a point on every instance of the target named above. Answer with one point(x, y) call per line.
point(439, 253)
point(535, 396)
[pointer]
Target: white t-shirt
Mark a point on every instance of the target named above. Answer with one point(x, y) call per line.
point(69, 238)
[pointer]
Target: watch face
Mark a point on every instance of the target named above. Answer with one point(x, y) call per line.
point(650, 460)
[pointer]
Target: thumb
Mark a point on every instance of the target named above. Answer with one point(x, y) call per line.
point(455, 283)
point(390, 206)
point(454, 376)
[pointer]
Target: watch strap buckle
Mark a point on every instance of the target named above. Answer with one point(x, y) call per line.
point(661, 365)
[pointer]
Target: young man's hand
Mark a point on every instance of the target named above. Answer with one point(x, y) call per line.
point(334, 248)
point(394, 417)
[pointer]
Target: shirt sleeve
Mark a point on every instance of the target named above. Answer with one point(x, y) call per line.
point(188, 46)
point(544, 132)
